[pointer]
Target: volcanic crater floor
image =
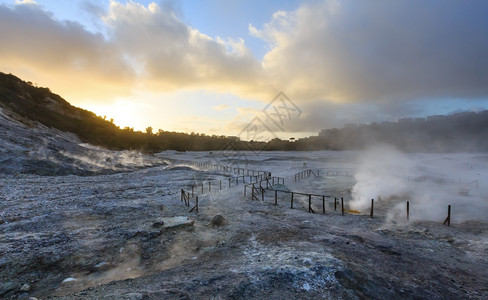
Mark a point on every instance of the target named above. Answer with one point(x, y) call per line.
point(102, 237)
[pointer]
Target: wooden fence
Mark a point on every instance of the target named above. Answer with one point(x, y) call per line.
point(306, 173)
point(228, 169)
point(255, 182)
point(185, 197)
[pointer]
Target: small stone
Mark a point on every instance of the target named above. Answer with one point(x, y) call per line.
point(25, 288)
point(102, 266)
point(218, 220)
point(69, 279)
point(158, 224)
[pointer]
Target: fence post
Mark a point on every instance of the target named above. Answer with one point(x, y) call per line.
point(448, 219)
point(220, 183)
point(342, 205)
point(196, 203)
point(372, 209)
point(309, 203)
point(323, 204)
point(192, 187)
point(209, 186)
point(408, 210)
point(335, 204)
point(292, 200)
point(202, 187)
point(276, 197)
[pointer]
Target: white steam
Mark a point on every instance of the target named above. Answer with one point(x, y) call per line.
point(430, 182)
point(383, 172)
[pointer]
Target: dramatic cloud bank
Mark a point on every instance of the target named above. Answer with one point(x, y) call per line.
point(146, 46)
point(60, 52)
point(170, 55)
point(385, 53)
point(380, 50)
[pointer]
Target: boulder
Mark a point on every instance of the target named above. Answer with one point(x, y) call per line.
point(218, 220)
point(176, 222)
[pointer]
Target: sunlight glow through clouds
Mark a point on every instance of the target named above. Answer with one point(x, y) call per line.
point(327, 54)
point(124, 112)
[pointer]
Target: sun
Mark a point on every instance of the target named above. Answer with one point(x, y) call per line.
point(123, 113)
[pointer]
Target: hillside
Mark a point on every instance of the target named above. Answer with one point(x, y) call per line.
point(462, 132)
point(30, 147)
point(30, 103)
point(37, 136)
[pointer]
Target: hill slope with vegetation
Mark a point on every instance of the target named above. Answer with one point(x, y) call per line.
point(454, 133)
point(39, 104)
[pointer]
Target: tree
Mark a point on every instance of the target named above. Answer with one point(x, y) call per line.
point(149, 130)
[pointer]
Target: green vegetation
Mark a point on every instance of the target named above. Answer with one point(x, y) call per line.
point(458, 132)
point(40, 104)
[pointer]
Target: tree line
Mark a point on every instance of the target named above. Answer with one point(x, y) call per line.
point(458, 132)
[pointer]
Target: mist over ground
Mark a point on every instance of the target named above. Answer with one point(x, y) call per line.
point(429, 182)
point(100, 236)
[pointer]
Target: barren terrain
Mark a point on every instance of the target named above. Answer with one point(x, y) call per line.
point(108, 236)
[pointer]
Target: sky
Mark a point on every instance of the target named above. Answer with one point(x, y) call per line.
point(289, 68)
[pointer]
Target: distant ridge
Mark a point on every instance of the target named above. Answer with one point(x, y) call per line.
point(459, 132)
point(462, 132)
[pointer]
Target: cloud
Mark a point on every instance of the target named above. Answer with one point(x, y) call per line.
point(339, 61)
point(144, 46)
point(93, 8)
point(172, 55)
point(61, 52)
point(221, 107)
point(379, 51)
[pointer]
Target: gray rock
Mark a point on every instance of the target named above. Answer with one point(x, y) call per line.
point(25, 288)
point(69, 280)
point(218, 220)
point(102, 266)
point(175, 222)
